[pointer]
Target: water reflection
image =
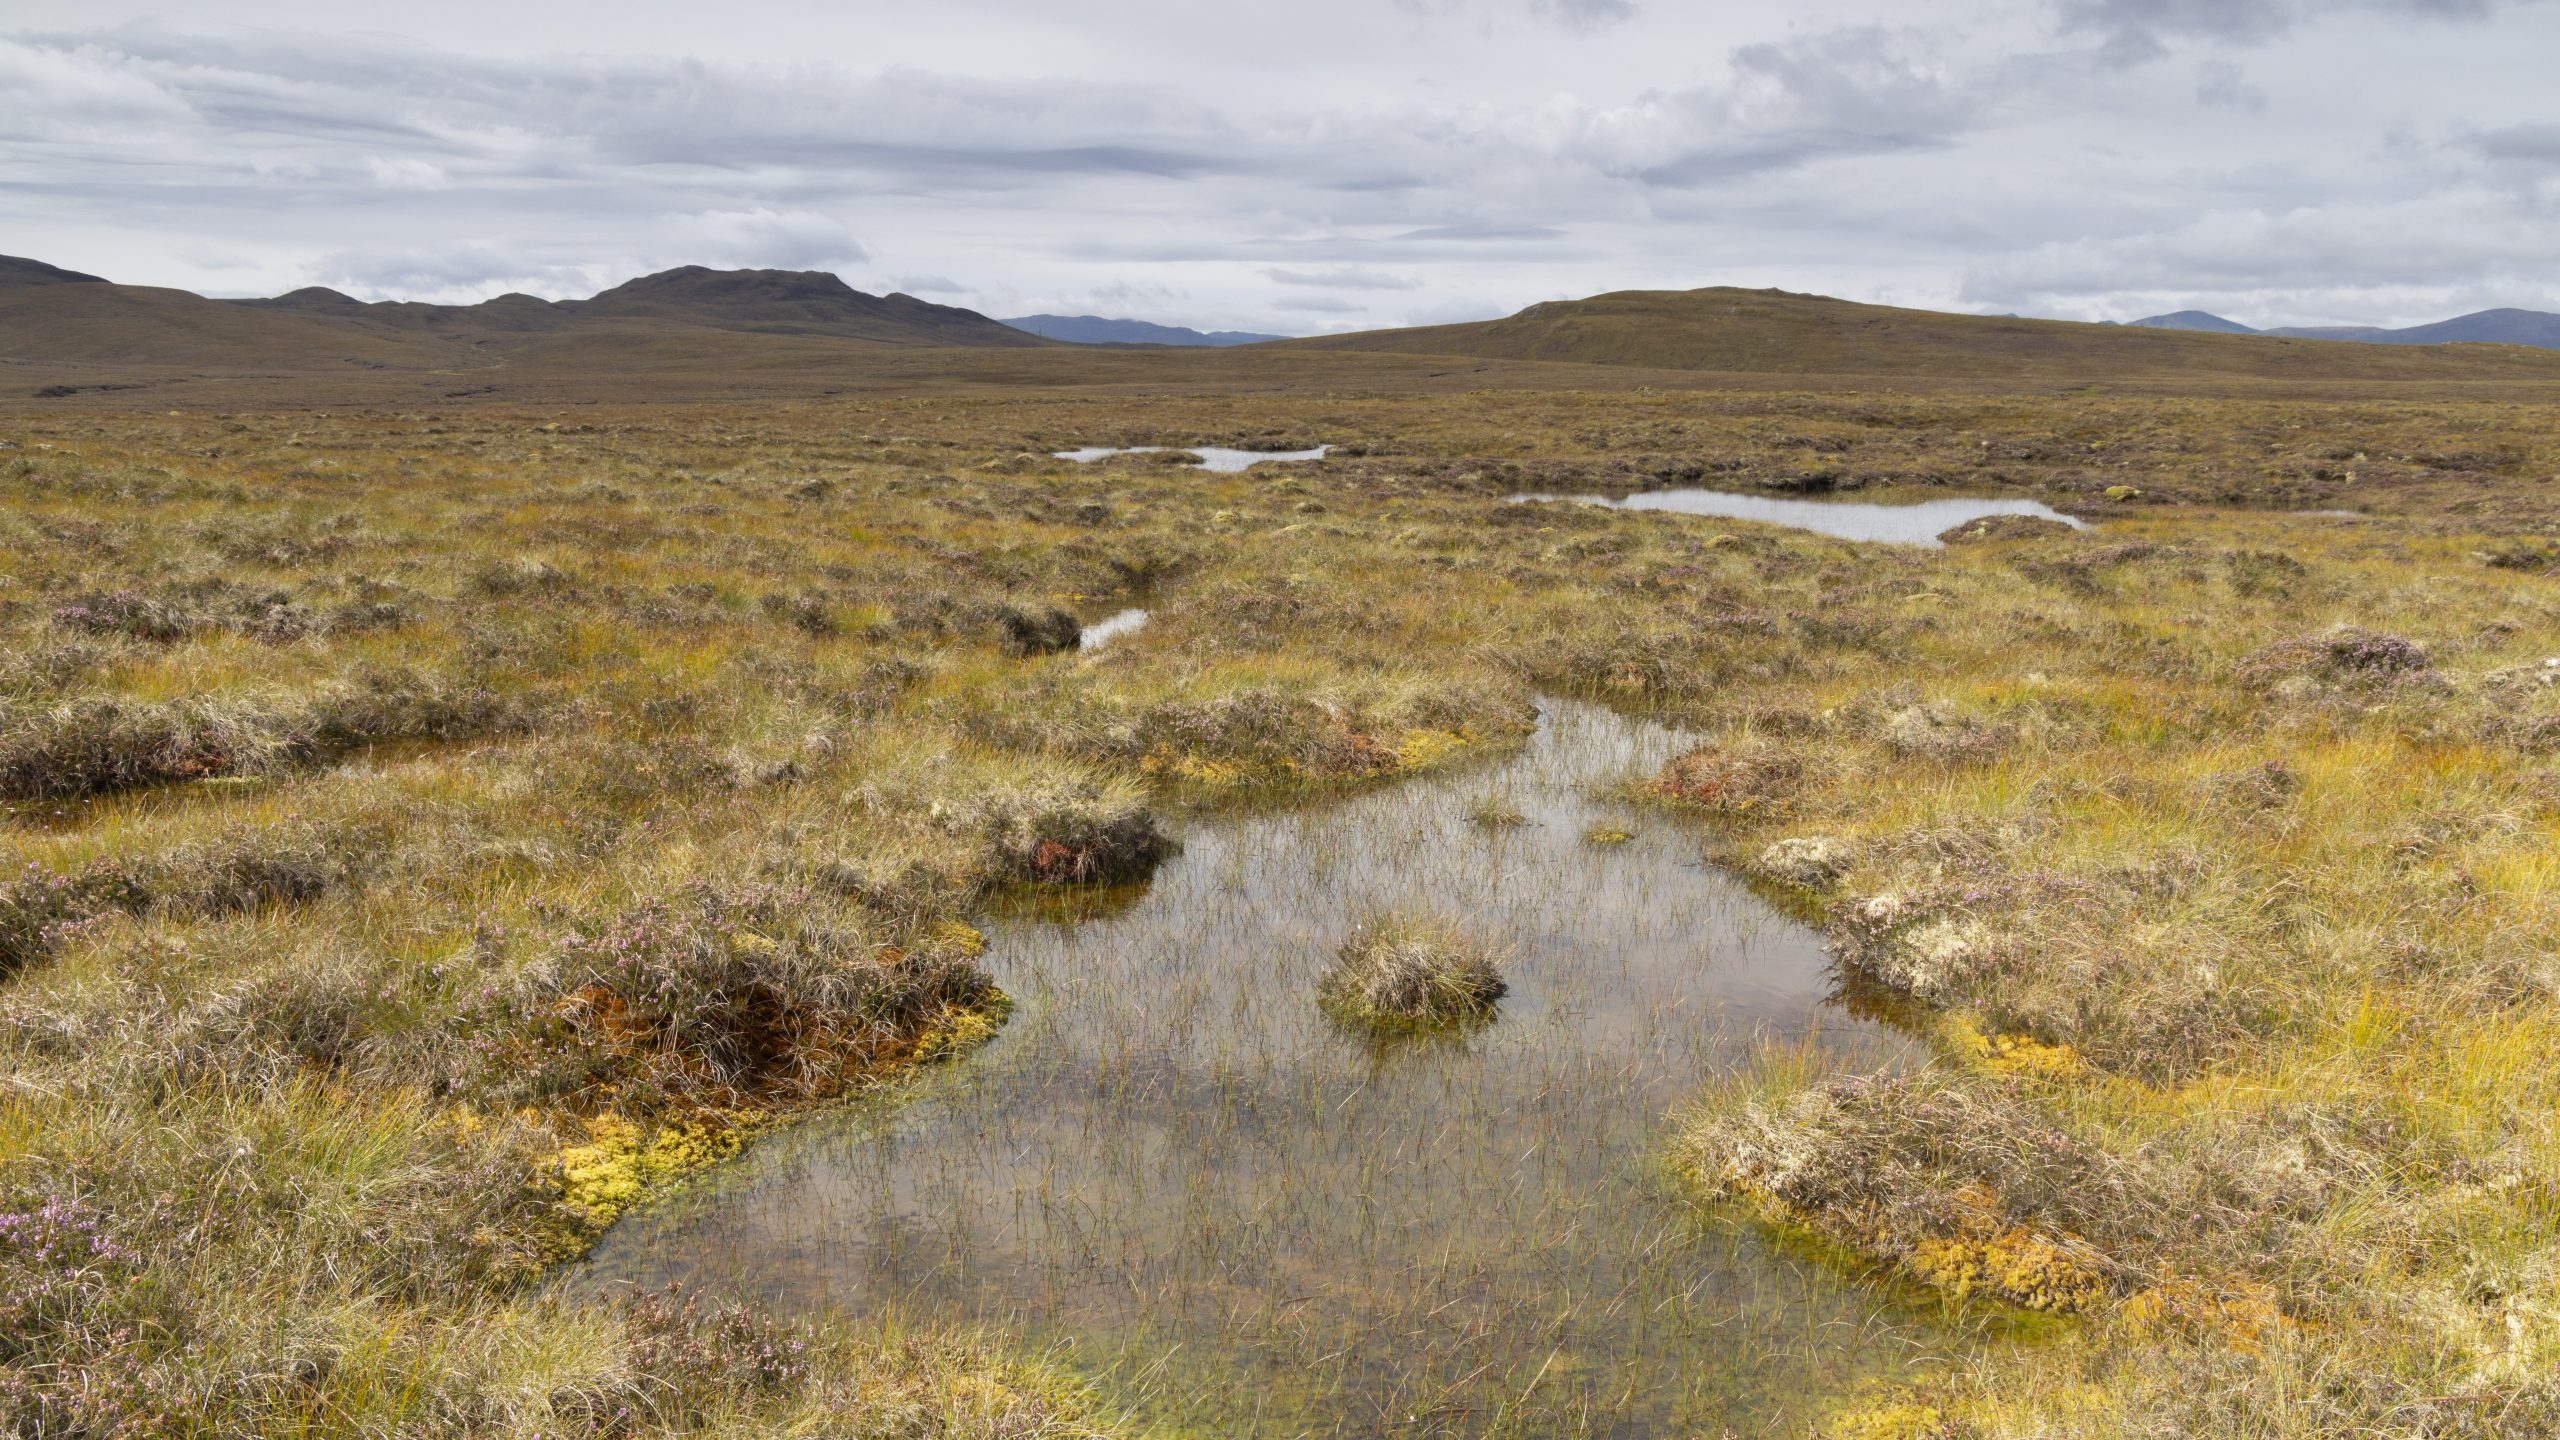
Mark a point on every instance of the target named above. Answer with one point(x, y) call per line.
point(1919, 523)
point(1212, 457)
point(1111, 627)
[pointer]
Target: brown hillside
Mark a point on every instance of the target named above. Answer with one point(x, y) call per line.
point(16, 272)
point(795, 302)
point(54, 316)
point(105, 324)
point(1774, 332)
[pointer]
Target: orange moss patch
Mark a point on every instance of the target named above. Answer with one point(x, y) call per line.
point(2239, 1313)
point(1983, 1255)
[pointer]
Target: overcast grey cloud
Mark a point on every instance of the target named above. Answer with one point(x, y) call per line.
point(1586, 15)
point(1328, 165)
point(2136, 31)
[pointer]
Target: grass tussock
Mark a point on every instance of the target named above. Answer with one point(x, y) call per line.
point(1403, 972)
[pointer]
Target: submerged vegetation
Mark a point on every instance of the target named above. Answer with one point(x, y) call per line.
point(431, 834)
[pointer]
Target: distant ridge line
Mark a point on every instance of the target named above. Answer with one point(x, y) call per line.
point(743, 323)
point(1100, 330)
point(2536, 328)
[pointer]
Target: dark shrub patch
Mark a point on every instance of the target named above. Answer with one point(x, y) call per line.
point(1042, 632)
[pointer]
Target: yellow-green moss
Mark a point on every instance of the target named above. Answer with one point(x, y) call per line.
point(1423, 749)
point(2018, 1265)
point(959, 1031)
point(622, 1162)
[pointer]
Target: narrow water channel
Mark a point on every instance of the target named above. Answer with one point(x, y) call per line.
point(1171, 1169)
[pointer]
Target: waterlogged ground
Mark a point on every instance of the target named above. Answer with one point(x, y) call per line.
point(1917, 523)
point(1171, 1167)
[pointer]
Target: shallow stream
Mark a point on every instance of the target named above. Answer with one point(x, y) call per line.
point(1171, 1170)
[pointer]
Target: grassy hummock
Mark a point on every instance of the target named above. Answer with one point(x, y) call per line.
point(1406, 971)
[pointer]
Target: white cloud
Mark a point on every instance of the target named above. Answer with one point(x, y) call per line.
point(407, 173)
point(1342, 277)
point(68, 92)
point(1862, 90)
point(765, 239)
point(2316, 265)
point(1433, 158)
point(449, 274)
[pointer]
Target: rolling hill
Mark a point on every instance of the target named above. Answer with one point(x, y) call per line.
point(86, 321)
point(792, 302)
point(1775, 332)
point(48, 314)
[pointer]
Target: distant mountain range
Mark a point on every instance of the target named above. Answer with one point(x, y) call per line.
point(1095, 330)
point(2193, 320)
point(1759, 332)
point(49, 313)
point(745, 329)
point(2488, 327)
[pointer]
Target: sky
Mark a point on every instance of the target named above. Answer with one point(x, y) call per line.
point(1309, 166)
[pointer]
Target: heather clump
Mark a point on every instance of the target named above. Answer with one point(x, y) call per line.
point(1740, 779)
point(722, 995)
point(1072, 832)
point(2345, 656)
point(706, 1353)
point(40, 906)
point(1997, 529)
point(64, 1266)
point(100, 744)
point(129, 614)
point(63, 1257)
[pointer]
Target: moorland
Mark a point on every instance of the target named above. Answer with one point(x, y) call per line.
point(452, 807)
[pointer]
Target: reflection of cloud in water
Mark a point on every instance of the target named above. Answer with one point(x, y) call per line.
point(1212, 457)
point(1102, 632)
point(1914, 524)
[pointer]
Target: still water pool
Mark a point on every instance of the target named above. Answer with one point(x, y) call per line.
point(1919, 523)
point(1212, 457)
point(1171, 1171)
